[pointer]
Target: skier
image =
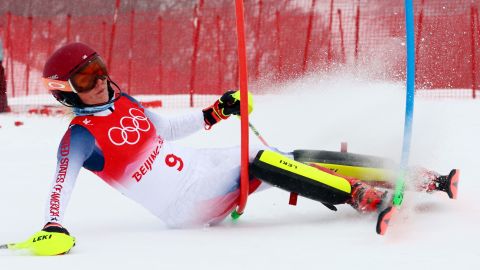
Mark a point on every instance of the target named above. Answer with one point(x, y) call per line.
point(133, 150)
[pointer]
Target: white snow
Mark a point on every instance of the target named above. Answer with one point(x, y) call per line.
point(431, 231)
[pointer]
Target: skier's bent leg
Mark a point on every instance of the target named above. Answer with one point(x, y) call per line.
point(315, 182)
point(380, 172)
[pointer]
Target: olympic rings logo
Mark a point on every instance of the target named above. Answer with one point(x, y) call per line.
point(130, 127)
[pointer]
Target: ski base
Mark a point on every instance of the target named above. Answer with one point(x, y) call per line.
point(384, 219)
point(452, 183)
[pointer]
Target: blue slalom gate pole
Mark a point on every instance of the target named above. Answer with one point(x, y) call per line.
point(386, 214)
point(407, 130)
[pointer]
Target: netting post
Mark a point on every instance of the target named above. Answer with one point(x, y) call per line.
point(10, 53)
point(112, 35)
point(27, 68)
point(279, 46)
point(69, 26)
point(3, 89)
point(237, 74)
point(3, 83)
point(308, 38)
point(104, 38)
point(257, 40)
point(473, 61)
point(219, 54)
point(478, 23)
point(474, 94)
point(130, 49)
point(340, 28)
point(419, 37)
point(49, 37)
point(160, 44)
point(357, 32)
point(330, 33)
point(197, 23)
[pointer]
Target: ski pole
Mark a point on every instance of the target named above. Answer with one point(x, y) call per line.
point(255, 131)
point(264, 142)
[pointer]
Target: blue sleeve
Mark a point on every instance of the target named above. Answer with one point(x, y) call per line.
point(81, 143)
point(76, 147)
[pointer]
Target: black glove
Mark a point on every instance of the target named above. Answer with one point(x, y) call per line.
point(225, 106)
point(55, 227)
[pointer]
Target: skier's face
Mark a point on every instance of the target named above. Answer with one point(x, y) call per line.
point(90, 82)
point(98, 94)
point(85, 78)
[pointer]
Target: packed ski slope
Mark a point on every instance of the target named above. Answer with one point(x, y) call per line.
point(115, 233)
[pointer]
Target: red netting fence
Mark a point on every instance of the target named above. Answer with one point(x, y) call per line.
point(189, 47)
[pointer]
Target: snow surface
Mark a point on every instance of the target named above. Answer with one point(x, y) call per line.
point(113, 232)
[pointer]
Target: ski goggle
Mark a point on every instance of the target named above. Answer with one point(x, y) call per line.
point(83, 79)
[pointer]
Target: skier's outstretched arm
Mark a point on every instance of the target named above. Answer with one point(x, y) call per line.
point(173, 127)
point(75, 148)
point(177, 127)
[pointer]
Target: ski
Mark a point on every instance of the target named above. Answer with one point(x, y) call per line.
point(450, 185)
point(384, 219)
point(386, 214)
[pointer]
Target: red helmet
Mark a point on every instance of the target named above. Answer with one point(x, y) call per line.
point(60, 67)
point(65, 60)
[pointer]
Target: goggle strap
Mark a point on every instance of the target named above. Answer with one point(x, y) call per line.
point(71, 85)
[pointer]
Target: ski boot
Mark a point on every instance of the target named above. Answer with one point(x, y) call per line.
point(447, 183)
point(367, 199)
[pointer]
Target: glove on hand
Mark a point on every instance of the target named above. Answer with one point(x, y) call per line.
point(54, 227)
point(225, 106)
point(53, 239)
